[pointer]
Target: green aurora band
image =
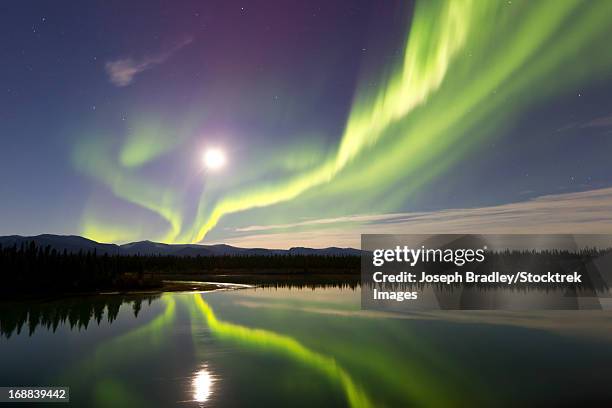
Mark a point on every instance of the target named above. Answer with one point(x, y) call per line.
point(469, 68)
point(284, 345)
point(93, 158)
point(150, 337)
point(138, 343)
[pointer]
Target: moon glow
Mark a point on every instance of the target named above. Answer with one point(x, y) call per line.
point(214, 159)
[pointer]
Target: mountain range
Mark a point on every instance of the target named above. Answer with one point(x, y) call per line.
point(75, 243)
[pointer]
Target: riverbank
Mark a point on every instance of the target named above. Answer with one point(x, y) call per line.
point(163, 286)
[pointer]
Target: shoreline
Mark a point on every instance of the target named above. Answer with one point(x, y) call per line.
point(167, 286)
point(201, 282)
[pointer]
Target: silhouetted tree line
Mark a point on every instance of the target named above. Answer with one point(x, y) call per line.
point(290, 279)
point(76, 313)
point(344, 285)
point(540, 262)
point(31, 268)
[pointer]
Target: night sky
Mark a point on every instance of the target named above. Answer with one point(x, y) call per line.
point(333, 117)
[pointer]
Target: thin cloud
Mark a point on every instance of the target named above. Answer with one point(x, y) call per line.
point(588, 212)
point(122, 71)
point(322, 221)
point(600, 122)
point(604, 121)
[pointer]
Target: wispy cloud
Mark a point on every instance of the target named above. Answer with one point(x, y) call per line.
point(322, 221)
point(604, 121)
point(599, 122)
point(122, 71)
point(588, 212)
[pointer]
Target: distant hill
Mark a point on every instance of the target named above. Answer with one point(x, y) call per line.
point(75, 243)
point(324, 251)
point(70, 243)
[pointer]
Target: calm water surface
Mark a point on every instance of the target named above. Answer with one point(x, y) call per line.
point(301, 347)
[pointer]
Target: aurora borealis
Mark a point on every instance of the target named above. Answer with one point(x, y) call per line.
point(325, 112)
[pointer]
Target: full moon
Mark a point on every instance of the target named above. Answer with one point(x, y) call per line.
point(213, 159)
